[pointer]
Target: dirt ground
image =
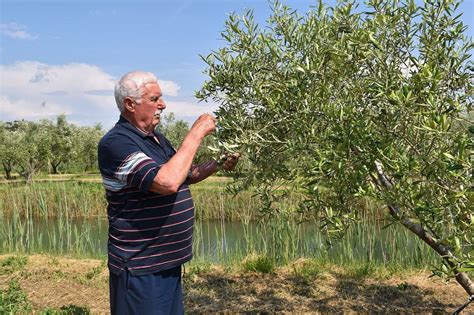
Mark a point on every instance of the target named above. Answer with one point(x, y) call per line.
point(53, 282)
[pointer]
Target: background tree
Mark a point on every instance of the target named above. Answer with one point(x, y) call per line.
point(86, 140)
point(30, 147)
point(9, 141)
point(33, 147)
point(175, 131)
point(62, 144)
point(346, 103)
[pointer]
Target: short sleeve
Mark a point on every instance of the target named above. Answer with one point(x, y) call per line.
point(123, 165)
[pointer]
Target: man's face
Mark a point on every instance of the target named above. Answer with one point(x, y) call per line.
point(149, 110)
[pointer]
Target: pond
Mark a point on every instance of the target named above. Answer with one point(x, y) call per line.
point(226, 242)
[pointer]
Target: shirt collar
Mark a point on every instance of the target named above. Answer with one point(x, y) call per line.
point(129, 126)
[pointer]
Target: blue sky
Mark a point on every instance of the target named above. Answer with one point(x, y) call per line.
point(65, 56)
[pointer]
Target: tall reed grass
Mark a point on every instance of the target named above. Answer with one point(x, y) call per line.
point(70, 218)
point(60, 235)
point(53, 199)
point(75, 199)
point(284, 241)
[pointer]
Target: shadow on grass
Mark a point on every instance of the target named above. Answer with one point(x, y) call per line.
point(257, 293)
point(384, 297)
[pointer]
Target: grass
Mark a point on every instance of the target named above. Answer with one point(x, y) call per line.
point(12, 264)
point(67, 309)
point(309, 269)
point(365, 270)
point(49, 270)
point(13, 299)
point(258, 263)
point(253, 284)
point(86, 199)
point(94, 272)
point(197, 269)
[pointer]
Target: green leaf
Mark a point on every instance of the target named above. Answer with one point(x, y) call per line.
point(449, 156)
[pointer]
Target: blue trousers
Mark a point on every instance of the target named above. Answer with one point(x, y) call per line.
point(157, 293)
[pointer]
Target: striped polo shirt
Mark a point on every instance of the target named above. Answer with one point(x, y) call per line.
point(148, 231)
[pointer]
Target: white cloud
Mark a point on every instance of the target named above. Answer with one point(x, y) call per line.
point(16, 31)
point(73, 78)
point(32, 90)
point(25, 109)
point(169, 88)
point(189, 111)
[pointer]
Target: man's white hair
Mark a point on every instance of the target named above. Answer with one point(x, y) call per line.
point(132, 85)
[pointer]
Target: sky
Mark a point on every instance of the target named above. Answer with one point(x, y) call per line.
point(64, 57)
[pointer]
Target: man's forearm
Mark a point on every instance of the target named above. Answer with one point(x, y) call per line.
point(206, 169)
point(202, 171)
point(174, 172)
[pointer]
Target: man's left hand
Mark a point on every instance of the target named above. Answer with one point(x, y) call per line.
point(230, 162)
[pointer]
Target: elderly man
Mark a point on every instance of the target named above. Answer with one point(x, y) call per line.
point(150, 207)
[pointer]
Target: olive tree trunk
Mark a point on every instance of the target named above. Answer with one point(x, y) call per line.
point(461, 277)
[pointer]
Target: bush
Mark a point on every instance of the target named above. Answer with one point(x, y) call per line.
point(262, 264)
point(309, 269)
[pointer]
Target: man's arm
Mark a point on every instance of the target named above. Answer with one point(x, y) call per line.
point(204, 170)
point(173, 173)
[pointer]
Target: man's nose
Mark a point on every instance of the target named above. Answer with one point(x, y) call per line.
point(162, 104)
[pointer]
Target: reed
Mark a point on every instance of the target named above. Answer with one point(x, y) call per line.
point(69, 218)
point(53, 199)
point(365, 245)
point(61, 236)
point(80, 199)
point(76, 199)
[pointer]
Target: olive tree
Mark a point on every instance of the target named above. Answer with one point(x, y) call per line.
point(351, 102)
point(174, 130)
point(9, 141)
point(62, 146)
point(33, 146)
point(85, 140)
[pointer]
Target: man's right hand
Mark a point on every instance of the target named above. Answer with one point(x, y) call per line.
point(204, 125)
point(173, 173)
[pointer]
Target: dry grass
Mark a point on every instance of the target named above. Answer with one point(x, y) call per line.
point(52, 282)
point(328, 292)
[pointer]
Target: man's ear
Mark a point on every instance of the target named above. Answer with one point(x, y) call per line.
point(129, 104)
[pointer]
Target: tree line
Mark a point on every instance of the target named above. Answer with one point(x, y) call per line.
point(53, 147)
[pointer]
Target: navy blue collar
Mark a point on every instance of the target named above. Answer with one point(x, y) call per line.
point(129, 126)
